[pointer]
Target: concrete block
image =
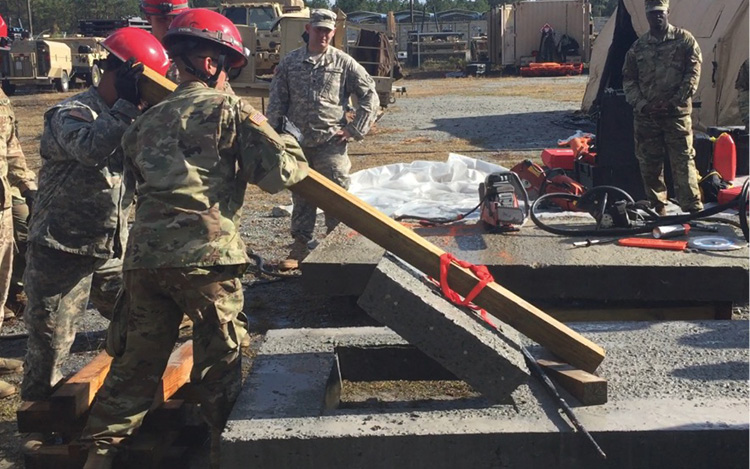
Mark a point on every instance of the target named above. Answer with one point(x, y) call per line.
point(490, 361)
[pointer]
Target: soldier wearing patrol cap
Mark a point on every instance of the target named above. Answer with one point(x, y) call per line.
point(660, 76)
point(311, 88)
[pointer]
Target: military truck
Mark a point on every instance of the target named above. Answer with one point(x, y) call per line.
point(86, 53)
point(36, 62)
point(263, 15)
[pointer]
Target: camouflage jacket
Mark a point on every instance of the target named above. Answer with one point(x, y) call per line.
point(82, 203)
point(667, 69)
point(192, 156)
point(314, 96)
point(13, 170)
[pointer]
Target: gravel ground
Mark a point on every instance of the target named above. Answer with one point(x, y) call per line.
point(502, 120)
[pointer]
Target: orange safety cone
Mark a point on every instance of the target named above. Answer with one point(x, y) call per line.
point(725, 157)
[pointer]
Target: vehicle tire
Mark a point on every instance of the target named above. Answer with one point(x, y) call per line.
point(62, 84)
point(8, 88)
point(95, 76)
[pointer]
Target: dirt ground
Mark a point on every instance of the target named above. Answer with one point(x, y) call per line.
point(502, 120)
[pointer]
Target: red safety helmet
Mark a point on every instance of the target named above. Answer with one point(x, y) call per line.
point(211, 26)
point(3, 27)
point(163, 7)
point(140, 44)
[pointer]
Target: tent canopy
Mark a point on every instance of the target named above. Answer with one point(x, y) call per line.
point(719, 26)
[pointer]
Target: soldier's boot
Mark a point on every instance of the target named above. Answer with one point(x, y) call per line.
point(296, 255)
point(8, 313)
point(10, 365)
point(6, 389)
point(16, 301)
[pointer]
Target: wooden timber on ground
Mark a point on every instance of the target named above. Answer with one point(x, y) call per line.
point(425, 256)
point(588, 388)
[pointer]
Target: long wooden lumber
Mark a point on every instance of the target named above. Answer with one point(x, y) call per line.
point(75, 396)
point(425, 256)
point(176, 374)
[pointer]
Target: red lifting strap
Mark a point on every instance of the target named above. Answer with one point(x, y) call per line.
point(481, 273)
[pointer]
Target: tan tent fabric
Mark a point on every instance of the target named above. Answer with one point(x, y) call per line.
point(721, 28)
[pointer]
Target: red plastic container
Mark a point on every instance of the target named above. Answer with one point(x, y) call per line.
point(725, 157)
point(725, 195)
point(562, 158)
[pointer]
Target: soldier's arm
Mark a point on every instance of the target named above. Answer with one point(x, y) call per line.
point(19, 174)
point(360, 83)
point(267, 159)
point(633, 94)
point(87, 137)
point(278, 101)
point(691, 77)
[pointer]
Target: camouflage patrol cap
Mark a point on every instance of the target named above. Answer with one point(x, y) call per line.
point(657, 5)
point(323, 18)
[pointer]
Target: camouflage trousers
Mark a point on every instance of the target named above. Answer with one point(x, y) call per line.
point(156, 301)
point(59, 285)
point(6, 257)
point(330, 160)
point(20, 235)
point(657, 139)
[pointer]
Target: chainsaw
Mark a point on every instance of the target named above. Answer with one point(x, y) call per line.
point(504, 202)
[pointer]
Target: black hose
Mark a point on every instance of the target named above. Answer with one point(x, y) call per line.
point(742, 200)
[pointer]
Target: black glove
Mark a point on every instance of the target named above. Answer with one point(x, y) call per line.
point(30, 196)
point(288, 127)
point(126, 82)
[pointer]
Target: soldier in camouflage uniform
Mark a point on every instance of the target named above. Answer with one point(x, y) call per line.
point(13, 172)
point(660, 76)
point(742, 85)
point(311, 87)
point(79, 226)
point(184, 253)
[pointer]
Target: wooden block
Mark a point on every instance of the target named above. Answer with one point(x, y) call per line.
point(37, 416)
point(75, 396)
point(587, 388)
point(176, 374)
point(154, 87)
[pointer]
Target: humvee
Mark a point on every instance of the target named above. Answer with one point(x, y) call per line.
point(86, 52)
point(38, 62)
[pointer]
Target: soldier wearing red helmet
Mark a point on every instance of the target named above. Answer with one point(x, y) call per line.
point(160, 13)
point(185, 254)
point(79, 225)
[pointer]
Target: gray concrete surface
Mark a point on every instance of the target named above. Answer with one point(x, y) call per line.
point(537, 265)
point(490, 361)
point(678, 398)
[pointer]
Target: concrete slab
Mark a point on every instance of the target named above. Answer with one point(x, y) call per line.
point(539, 266)
point(490, 361)
point(678, 398)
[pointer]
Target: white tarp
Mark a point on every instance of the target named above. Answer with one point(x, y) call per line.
point(427, 189)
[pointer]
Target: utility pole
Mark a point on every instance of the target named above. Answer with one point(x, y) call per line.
point(31, 24)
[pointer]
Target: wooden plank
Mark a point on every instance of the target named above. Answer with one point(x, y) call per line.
point(154, 87)
point(75, 396)
point(176, 374)
point(587, 388)
point(425, 256)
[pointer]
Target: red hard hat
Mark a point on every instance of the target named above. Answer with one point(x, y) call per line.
point(163, 7)
point(3, 28)
point(140, 44)
point(211, 26)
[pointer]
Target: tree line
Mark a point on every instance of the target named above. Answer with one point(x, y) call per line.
point(61, 16)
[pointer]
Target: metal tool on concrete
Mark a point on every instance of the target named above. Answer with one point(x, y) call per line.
point(539, 373)
point(501, 195)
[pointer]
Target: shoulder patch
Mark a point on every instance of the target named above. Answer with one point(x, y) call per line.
point(257, 118)
point(81, 115)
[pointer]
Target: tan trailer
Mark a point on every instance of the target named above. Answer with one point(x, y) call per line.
point(36, 62)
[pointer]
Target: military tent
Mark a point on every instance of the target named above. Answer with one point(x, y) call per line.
point(719, 26)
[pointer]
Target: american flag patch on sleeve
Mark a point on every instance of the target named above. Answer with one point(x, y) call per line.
point(257, 118)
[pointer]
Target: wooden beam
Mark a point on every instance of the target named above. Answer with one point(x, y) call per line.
point(425, 256)
point(75, 396)
point(154, 87)
point(176, 374)
point(589, 389)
